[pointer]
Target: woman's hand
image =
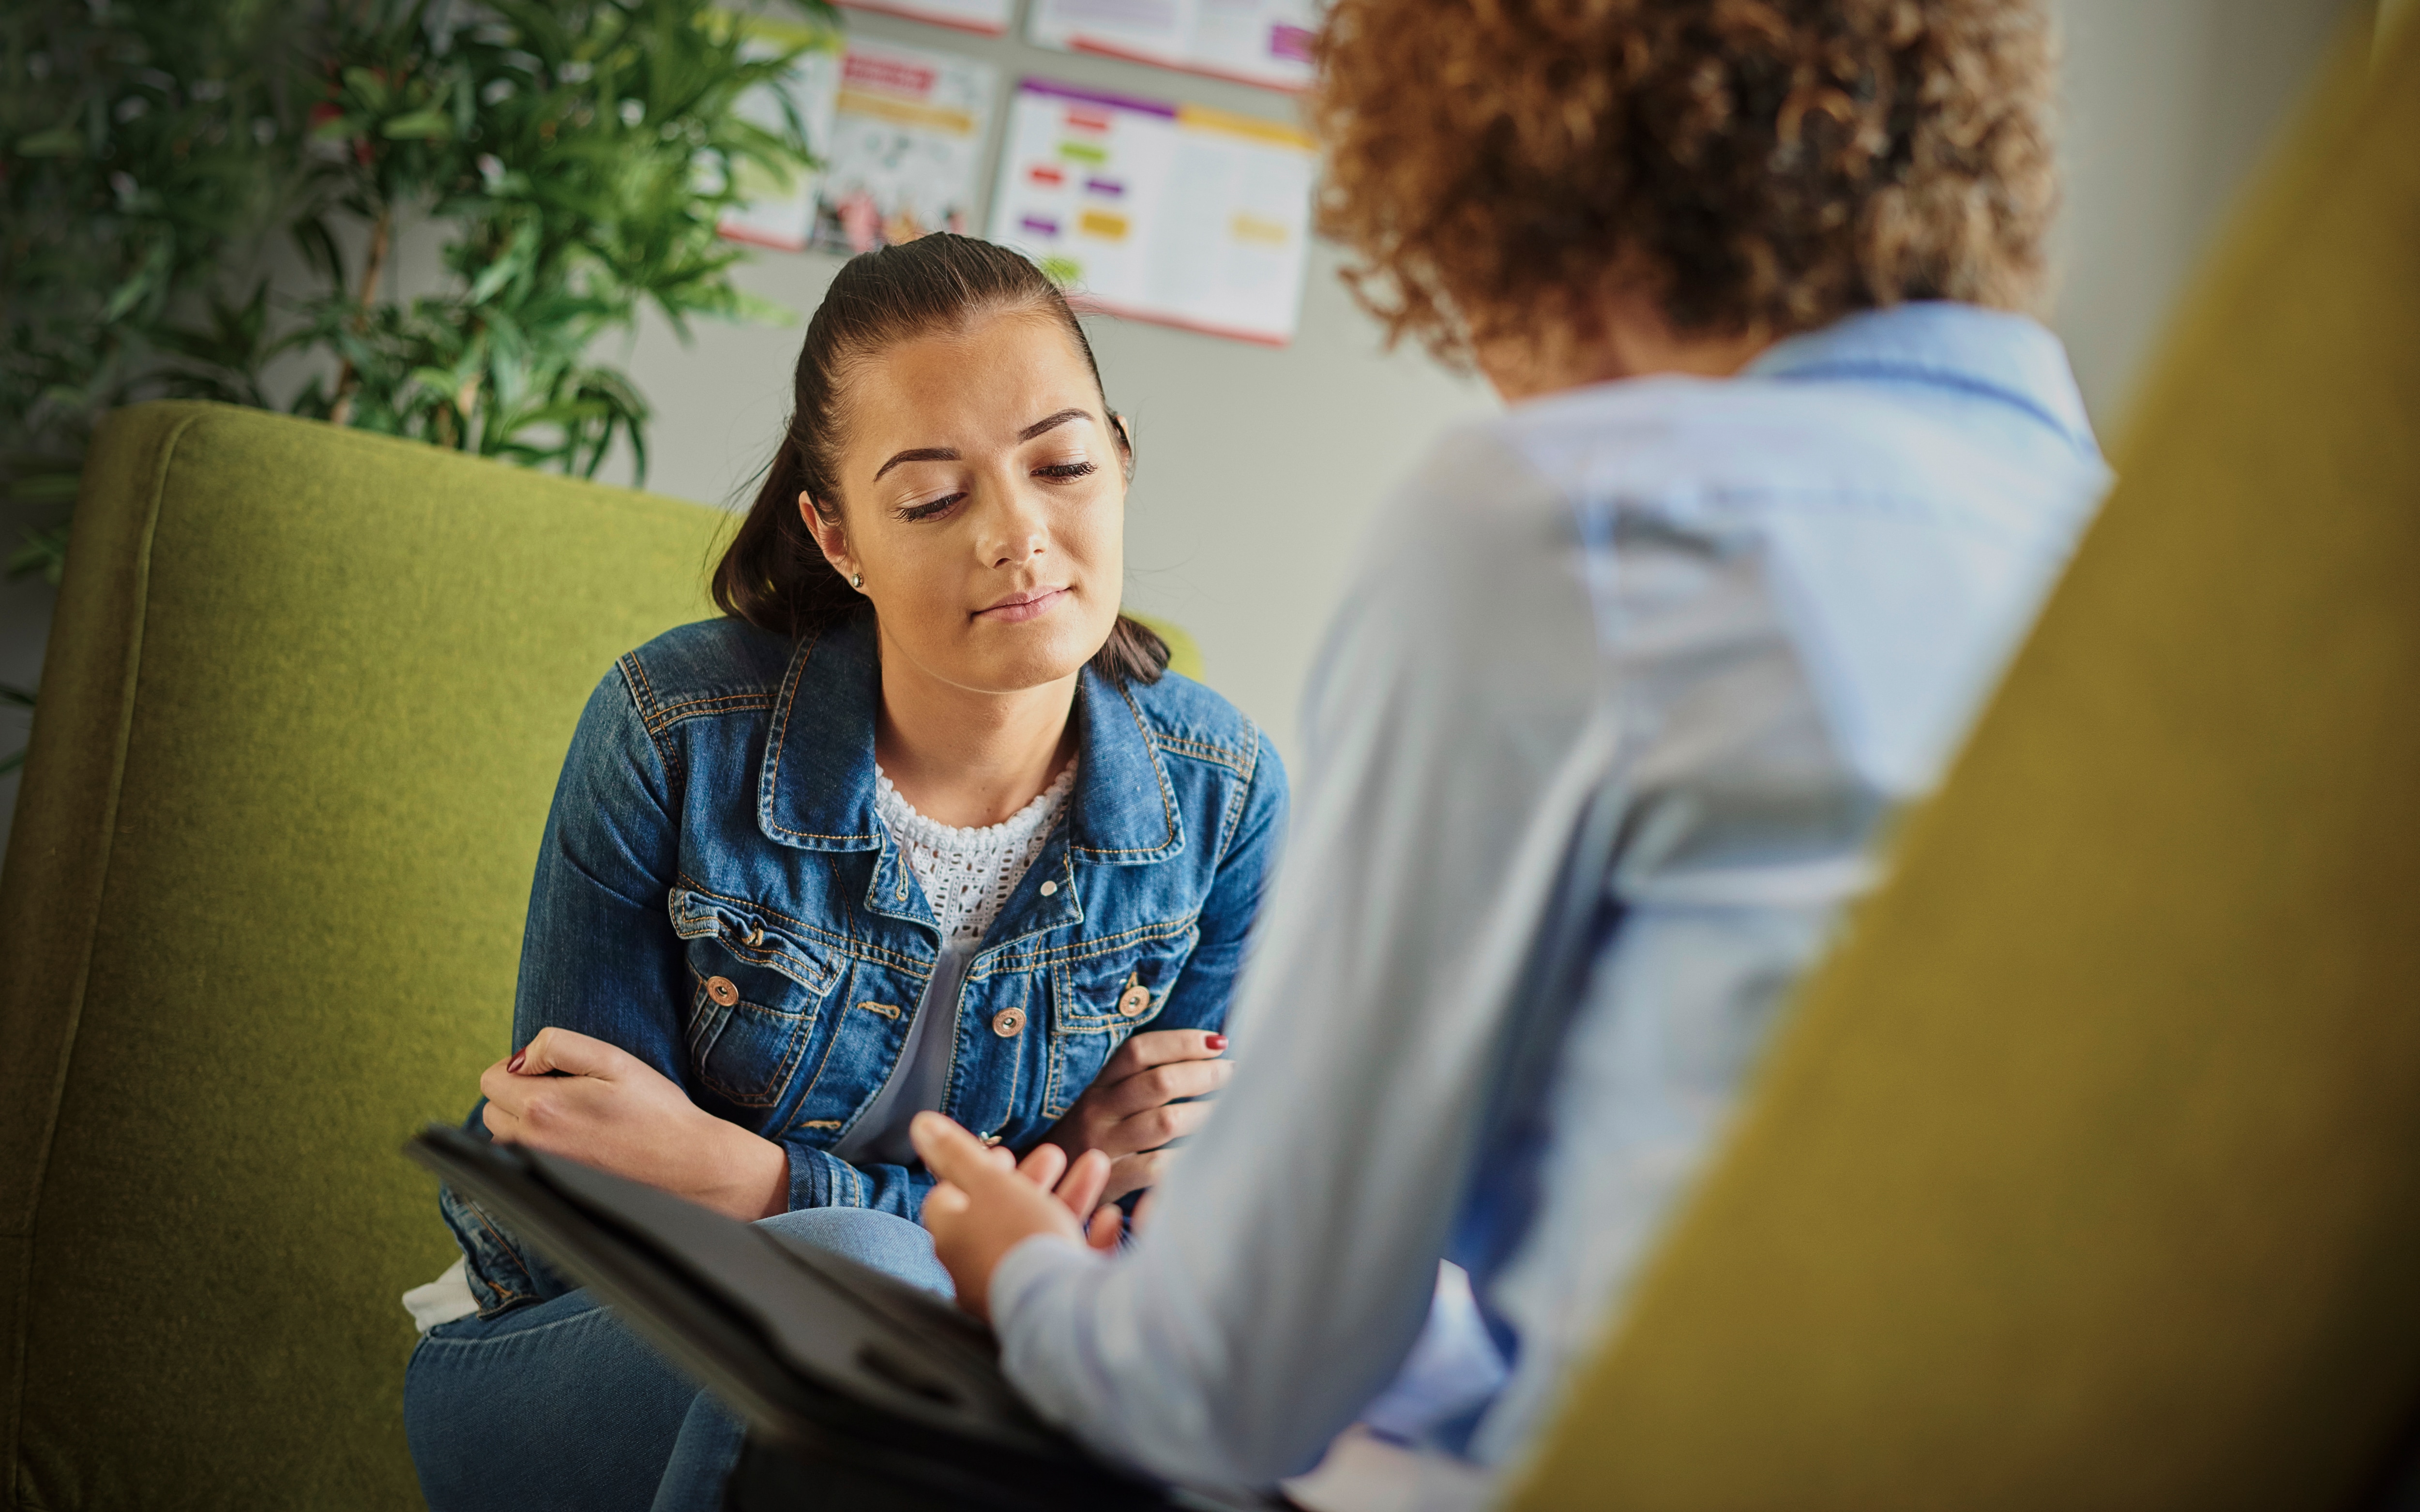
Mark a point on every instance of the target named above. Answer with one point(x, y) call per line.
point(984, 1205)
point(613, 1111)
point(1131, 1109)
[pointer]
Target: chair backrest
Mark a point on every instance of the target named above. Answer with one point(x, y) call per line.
point(2087, 1170)
point(307, 693)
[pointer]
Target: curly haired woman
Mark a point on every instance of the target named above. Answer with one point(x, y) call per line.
point(1629, 681)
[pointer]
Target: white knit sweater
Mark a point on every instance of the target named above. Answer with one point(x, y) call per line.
point(968, 874)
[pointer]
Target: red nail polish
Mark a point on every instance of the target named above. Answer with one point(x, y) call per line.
point(515, 1064)
point(1215, 1041)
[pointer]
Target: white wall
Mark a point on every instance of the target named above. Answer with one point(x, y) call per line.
point(2169, 104)
point(1259, 467)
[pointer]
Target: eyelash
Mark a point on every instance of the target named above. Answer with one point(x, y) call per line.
point(1057, 473)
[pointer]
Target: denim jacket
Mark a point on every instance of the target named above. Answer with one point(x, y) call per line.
point(716, 896)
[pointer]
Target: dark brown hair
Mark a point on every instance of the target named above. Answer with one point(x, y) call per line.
point(773, 575)
point(1501, 165)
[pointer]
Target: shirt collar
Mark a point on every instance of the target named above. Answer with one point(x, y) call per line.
point(816, 789)
point(1991, 353)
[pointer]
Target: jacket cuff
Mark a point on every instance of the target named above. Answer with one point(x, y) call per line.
point(818, 1180)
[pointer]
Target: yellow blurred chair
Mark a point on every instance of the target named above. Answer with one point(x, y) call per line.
point(2087, 1173)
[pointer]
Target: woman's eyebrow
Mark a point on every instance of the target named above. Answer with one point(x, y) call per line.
point(950, 453)
point(1050, 422)
point(920, 453)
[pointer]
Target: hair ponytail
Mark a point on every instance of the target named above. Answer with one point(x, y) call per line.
point(773, 575)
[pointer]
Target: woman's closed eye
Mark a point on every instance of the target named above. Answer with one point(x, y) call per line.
point(930, 508)
point(1064, 471)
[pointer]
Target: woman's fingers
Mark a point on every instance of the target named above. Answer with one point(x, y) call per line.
point(1155, 1127)
point(569, 1050)
point(1166, 1083)
point(1080, 1190)
point(503, 1125)
point(979, 1211)
point(1132, 1173)
point(495, 1079)
point(1160, 1047)
point(1107, 1228)
point(1041, 1166)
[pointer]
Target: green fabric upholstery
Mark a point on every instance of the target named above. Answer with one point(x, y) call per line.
point(2087, 1172)
point(307, 697)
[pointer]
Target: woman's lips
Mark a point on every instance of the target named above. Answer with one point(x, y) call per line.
point(1017, 607)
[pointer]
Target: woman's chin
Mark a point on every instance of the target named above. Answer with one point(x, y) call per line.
point(1008, 659)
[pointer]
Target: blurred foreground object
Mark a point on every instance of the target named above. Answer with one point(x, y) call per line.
point(2088, 1171)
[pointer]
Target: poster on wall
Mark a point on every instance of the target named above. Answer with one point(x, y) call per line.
point(1164, 212)
point(906, 146)
point(1266, 42)
point(988, 18)
point(779, 210)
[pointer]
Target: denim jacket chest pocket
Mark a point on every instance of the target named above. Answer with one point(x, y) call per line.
point(756, 994)
point(1100, 993)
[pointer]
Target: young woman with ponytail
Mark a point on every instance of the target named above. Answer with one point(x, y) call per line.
point(922, 823)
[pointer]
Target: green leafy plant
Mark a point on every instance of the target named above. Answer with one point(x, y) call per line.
point(581, 154)
point(575, 157)
point(139, 145)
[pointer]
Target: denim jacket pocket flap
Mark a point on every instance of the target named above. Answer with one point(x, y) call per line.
point(755, 995)
point(750, 935)
point(1118, 987)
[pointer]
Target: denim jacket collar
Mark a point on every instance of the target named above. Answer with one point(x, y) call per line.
point(816, 789)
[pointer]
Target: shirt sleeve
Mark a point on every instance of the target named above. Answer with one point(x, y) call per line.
point(1295, 1244)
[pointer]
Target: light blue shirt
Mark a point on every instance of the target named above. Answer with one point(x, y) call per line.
point(1629, 682)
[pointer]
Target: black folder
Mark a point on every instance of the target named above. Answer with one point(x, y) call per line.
point(859, 1390)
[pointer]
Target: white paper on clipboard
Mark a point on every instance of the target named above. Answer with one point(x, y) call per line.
point(1264, 42)
point(1165, 212)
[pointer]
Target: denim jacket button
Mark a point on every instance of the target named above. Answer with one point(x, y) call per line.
point(1008, 1022)
point(721, 991)
point(1049, 888)
point(1136, 998)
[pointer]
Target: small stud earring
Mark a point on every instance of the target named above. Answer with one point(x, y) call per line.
point(857, 580)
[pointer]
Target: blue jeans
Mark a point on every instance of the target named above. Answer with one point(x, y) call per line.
point(556, 1404)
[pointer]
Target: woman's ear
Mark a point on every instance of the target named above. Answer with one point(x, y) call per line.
point(1125, 433)
point(830, 538)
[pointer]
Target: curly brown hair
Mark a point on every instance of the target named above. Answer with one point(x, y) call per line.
point(1501, 166)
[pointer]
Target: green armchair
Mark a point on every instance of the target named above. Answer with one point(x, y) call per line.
point(307, 693)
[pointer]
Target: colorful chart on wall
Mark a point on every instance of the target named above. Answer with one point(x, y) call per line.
point(1266, 42)
point(989, 17)
point(779, 210)
point(907, 154)
point(1189, 217)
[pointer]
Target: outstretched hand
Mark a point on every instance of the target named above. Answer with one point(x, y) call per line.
point(984, 1205)
point(572, 1095)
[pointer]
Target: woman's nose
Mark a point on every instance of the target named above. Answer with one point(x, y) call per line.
point(1017, 535)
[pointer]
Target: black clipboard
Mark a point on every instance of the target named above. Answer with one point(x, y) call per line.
point(850, 1379)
